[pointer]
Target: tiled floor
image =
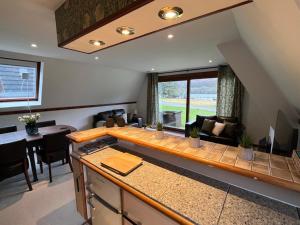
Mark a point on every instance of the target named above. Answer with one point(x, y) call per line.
point(47, 204)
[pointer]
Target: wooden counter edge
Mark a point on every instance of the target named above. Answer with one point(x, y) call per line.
point(248, 173)
point(174, 216)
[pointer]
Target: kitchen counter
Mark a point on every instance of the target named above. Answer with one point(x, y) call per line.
point(273, 169)
point(199, 199)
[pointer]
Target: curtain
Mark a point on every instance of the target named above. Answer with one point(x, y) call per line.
point(230, 94)
point(152, 99)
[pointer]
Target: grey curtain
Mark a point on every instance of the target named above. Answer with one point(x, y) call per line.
point(230, 94)
point(152, 99)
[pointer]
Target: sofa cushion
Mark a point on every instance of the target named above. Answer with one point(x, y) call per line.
point(200, 119)
point(208, 126)
point(218, 128)
point(118, 112)
point(229, 130)
point(105, 115)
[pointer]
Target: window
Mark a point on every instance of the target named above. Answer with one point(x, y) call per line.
point(203, 97)
point(172, 103)
point(19, 81)
point(183, 97)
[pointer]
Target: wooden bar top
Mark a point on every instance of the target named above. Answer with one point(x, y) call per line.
point(274, 169)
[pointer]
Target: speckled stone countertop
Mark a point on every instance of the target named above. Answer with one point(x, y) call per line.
point(200, 199)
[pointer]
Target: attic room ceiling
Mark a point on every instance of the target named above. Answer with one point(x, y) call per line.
point(270, 28)
point(24, 22)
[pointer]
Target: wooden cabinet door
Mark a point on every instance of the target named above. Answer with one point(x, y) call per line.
point(79, 187)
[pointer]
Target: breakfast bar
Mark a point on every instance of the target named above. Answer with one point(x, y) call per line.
point(176, 195)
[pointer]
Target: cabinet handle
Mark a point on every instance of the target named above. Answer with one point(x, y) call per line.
point(91, 204)
point(126, 215)
point(77, 184)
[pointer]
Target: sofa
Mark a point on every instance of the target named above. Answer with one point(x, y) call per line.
point(230, 137)
point(101, 117)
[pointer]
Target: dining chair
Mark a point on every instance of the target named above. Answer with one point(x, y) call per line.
point(46, 123)
point(55, 147)
point(9, 129)
point(13, 160)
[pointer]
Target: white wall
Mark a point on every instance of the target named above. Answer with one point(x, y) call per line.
point(68, 83)
point(79, 118)
point(266, 99)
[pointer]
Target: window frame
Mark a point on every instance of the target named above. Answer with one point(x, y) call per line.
point(187, 77)
point(38, 75)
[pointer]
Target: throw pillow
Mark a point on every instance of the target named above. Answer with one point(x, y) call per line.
point(125, 117)
point(110, 122)
point(219, 127)
point(200, 119)
point(120, 121)
point(230, 129)
point(207, 126)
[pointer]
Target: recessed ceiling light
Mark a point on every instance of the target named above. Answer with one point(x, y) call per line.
point(210, 61)
point(96, 42)
point(170, 13)
point(34, 45)
point(96, 57)
point(125, 30)
point(170, 36)
point(152, 69)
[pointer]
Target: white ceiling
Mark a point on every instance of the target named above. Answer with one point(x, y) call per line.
point(23, 22)
point(271, 29)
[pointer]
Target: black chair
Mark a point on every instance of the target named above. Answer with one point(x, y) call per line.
point(55, 147)
point(13, 160)
point(46, 123)
point(10, 129)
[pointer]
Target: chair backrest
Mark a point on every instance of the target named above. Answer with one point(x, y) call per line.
point(4, 130)
point(56, 142)
point(13, 153)
point(46, 123)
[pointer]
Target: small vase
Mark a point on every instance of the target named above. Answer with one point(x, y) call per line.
point(159, 134)
point(31, 129)
point(246, 153)
point(195, 142)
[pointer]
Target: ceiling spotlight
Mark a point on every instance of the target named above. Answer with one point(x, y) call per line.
point(170, 13)
point(34, 45)
point(170, 36)
point(152, 69)
point(96, 57)
point(96, 43)
point(210, 61)
point(125, 30)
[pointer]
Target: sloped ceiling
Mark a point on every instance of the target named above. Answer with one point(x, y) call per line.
point(271, 30)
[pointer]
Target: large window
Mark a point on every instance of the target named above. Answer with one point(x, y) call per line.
point(19, 81)
point(183, 97)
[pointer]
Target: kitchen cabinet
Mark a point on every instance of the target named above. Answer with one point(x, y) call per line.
point(141, 213)
point(104, 199)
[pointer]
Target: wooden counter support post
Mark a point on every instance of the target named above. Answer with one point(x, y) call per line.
point(79, 187)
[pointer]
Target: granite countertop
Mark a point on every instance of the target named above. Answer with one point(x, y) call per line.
point(200, 199)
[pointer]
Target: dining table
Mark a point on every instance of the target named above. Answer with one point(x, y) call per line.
point(33, 141)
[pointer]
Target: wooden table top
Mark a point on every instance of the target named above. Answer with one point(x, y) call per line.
point(274, 169)
point(21, 134)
